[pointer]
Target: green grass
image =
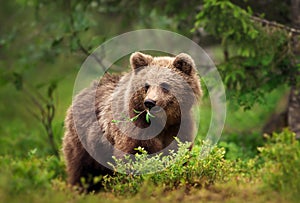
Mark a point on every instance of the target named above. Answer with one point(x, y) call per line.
point(268, 177)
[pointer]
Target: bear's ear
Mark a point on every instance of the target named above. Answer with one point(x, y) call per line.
point(139, 59)
point(184, 63)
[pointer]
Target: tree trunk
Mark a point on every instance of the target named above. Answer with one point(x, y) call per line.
point(294, 98)
point(295, 13)
point(294, 110)
point(291, 116)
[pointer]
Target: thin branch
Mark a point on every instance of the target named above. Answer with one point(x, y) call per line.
point(293, 31)
point(45, 114)
point(35, 115)
point(30, 88)
point(74, 34)
point(87, 53)
point(34, 100)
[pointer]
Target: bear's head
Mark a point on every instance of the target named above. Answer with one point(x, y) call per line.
point(163, 84)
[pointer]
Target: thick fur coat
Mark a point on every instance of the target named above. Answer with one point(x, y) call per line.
point(167, 87)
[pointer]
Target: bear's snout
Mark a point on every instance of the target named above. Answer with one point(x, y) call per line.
point(149, 103)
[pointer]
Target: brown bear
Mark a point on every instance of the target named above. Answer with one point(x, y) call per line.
point(110, 117)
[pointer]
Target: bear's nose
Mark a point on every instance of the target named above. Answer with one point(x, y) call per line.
point(149, 103)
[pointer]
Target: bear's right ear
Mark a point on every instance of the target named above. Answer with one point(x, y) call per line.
point(139, 59)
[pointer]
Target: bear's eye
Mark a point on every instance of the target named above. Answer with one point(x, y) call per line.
point(147, 86)
point(165, 87)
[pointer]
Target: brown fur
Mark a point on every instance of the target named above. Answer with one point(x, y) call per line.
point(115, 96)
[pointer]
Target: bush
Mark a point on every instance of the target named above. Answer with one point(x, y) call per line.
point(243, 146)
point(281, 156)
point(188, 169)
point(29, 174)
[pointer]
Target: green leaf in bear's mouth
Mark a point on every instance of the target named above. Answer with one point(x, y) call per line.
point(148, 115)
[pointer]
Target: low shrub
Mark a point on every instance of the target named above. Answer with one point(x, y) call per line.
point(281, 156)
point(29, 174)
point(184, 168)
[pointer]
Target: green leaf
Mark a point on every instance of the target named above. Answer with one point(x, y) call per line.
point(136, 111)
point(134, 118)
point(57, 41)
point(114, 121)
point(147, 118)
point(150, 114)
point(74, 44)
point(18, 80)
point(52, 87)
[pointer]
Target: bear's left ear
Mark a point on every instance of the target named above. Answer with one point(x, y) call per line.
point(139, 59)
point(184, 63)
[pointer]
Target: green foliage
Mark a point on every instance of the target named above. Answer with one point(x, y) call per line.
point(178, 169)
point(29, 174)
point(44, 42)
point(235, 151)
point(241, 146)
point(257, 59)
point(281, 156)
point(227, 21)
point(138, 114)
point(34, 179)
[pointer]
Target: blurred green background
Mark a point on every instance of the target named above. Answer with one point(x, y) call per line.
point(43, 44)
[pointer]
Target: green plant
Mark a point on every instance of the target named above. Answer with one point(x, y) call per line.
point(148, 115)
point(257, 58)
point(241, 146)
point(183, 168)
point(29, 174)
point(281, 156)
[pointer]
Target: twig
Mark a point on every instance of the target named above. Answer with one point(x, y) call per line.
point(275, 24)
point(87, 53)
point(74, 34)
point(148, 115)
point(45, 116)
point(34, 100)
